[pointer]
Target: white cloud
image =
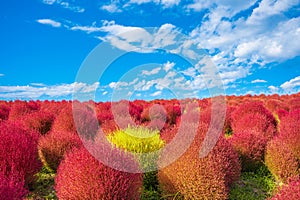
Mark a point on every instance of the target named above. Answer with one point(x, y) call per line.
point(28, 92)
point(290, 85)
point(157, 93)
point(104, 93)
point(1, 75)
point(151, 72)
point(87, 29)
point(164, 3)
point(112, 7)
point(169, 65)
point(71, 7)
point(65, 4)
point(258, 81)
point(265, 36)
point(49, 2)
point(38, 84)
point(273, 89)
point(49, 22)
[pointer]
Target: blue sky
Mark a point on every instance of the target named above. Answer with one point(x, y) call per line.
point(166, 48)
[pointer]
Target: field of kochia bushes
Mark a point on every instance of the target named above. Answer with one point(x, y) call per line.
point(41, 138)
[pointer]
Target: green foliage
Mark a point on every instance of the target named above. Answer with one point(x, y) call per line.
point(144, 143)
point(43, 188)
point(141, 140)
point(253, 185)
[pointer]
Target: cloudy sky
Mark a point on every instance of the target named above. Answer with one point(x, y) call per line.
point(147, 49)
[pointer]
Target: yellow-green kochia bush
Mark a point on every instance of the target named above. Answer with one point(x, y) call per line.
point(145, 144)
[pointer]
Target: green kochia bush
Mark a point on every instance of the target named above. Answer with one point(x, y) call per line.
point(146, 143)
point(138, 140)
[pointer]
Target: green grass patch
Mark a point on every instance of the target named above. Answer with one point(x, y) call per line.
point(256, 185)
point(43, 188)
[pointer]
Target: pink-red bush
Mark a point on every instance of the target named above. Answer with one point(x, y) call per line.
point(262, 125)
point(38, 121)
point(281, 161)
point(290, 131)
point(86, 122)
point(18, 155)
point(53, 146)
point(251, 148)
point(64, 121)
point(289, 192)
point(4, 111)
point(11, 189)
point(21, 108)
point(81, 176)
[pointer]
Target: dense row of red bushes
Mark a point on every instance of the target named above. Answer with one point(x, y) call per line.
point(257, 130)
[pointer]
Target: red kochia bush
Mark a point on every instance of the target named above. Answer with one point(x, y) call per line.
point(85, 120)
point(18, 152)
point(192, 177)
point(11, 189)
point(290, 131)
point(53, 146)
point(64, 121)
point(289, 192)
point(251, 148)
point(253, 116)
point(20, 108)
point(4, 111)
point(81, 176)
point(280, 160)
point(39, 121)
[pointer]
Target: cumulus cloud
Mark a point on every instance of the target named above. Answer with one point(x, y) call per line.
point(290, 85)
point(273, 89)
point(266, 36)
point(50, 22)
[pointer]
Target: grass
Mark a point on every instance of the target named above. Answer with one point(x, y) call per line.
point(256, 185)
point(44, 186)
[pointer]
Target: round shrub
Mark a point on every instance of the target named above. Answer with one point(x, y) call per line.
point(138, 140)
point(192, 177)
point(21, 108)
point(81, 176)
point(290, 191)
point(259, 124)
point(64, 120)
point(146, 143)
point(11, 189)
point(85, 120)
point(53, 146)
point(250, 147)
point(18, 155)
point(253, 116)
point(38, 121)
point(290, 132)
point(4, 111)
point(281, 161)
